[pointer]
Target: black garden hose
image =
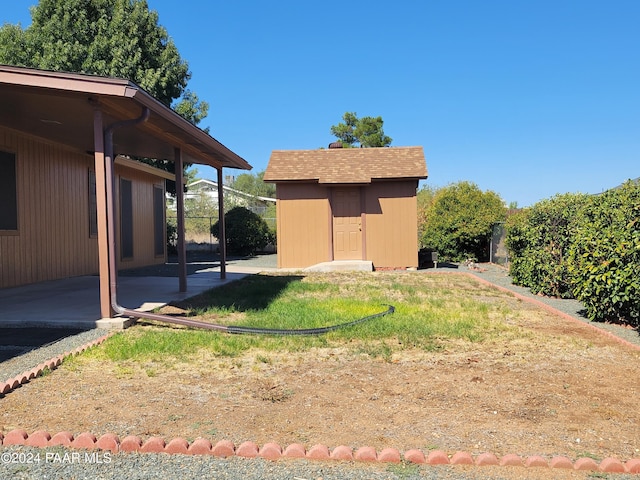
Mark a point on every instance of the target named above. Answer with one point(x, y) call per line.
point(305, 331)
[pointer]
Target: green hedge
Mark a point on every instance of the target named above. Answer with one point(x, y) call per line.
point(605, 256)
point(581, 246)
point(539, 239)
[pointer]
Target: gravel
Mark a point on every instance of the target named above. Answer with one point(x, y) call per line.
point(153, 466)
point(25, 362)
point(53, 465)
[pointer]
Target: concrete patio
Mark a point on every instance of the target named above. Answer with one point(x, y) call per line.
point(74, 302)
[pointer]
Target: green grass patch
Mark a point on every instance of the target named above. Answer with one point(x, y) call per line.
point(430, 310)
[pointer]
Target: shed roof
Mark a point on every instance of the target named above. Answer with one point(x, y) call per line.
point(346, 165)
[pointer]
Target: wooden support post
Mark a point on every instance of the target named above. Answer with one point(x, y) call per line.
point(222, 238)
point(181, 245)
point(101, 204)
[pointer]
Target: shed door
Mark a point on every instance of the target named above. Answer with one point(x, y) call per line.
point(347, 224)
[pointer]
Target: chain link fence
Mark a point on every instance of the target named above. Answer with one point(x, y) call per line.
point(198, 236)
point(197, 232)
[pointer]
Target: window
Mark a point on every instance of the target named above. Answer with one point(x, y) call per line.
point(126, 219)
point(8, 192)
point(93, 205)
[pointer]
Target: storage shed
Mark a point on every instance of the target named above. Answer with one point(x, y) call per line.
point(347, 204)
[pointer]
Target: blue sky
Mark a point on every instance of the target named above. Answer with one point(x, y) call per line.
point(525, 98)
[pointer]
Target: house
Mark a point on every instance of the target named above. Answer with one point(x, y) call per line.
point(209, 189)
point(347, 204)
point(73, 201)
point(48, 219)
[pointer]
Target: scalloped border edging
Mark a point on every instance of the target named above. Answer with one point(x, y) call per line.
point(273, 451)
point(51, 364)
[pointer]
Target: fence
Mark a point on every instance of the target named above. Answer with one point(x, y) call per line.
point(197, 231)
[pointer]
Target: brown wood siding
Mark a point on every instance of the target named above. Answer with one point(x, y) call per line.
point(159, 221)
point(142, 185)
point(392, 224)
point(304, 225)
point(53, 239)
point(8, 194)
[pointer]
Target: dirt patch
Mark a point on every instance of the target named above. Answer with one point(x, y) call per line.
point(557, 388)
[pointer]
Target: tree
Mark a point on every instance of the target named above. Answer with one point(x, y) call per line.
point(13, 50)
point(254, 185)
point(424, 199)
point(113, 38)
point(365, 131)
point(459, 221)
point(191, 108)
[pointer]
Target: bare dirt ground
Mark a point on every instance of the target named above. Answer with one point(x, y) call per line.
point(559, 388)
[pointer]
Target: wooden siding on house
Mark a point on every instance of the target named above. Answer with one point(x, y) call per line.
point(53, 239)
point(305, 237)
point(142, 218)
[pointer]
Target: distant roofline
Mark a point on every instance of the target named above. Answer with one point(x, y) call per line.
point(231, 190)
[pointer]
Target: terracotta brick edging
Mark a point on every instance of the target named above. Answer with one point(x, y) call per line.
point(273, 452)
point(51, 364)
point(553, 310)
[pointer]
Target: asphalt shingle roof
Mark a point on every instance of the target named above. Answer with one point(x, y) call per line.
point(346, 165)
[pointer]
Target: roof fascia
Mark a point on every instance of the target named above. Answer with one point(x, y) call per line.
point(233, 160)
point(114, 87)
point(72, 82)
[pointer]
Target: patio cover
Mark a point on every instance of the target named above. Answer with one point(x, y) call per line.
point(77, 110)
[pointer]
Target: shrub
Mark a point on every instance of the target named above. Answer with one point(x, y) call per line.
point(539, 240)
point(518, 243)
point(246, 232)
point(458, 221)
point(424, 199)
point(604, 261)
point(172, 238)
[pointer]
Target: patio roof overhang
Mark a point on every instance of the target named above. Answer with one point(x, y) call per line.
point(107, 117)
point(59, 107)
